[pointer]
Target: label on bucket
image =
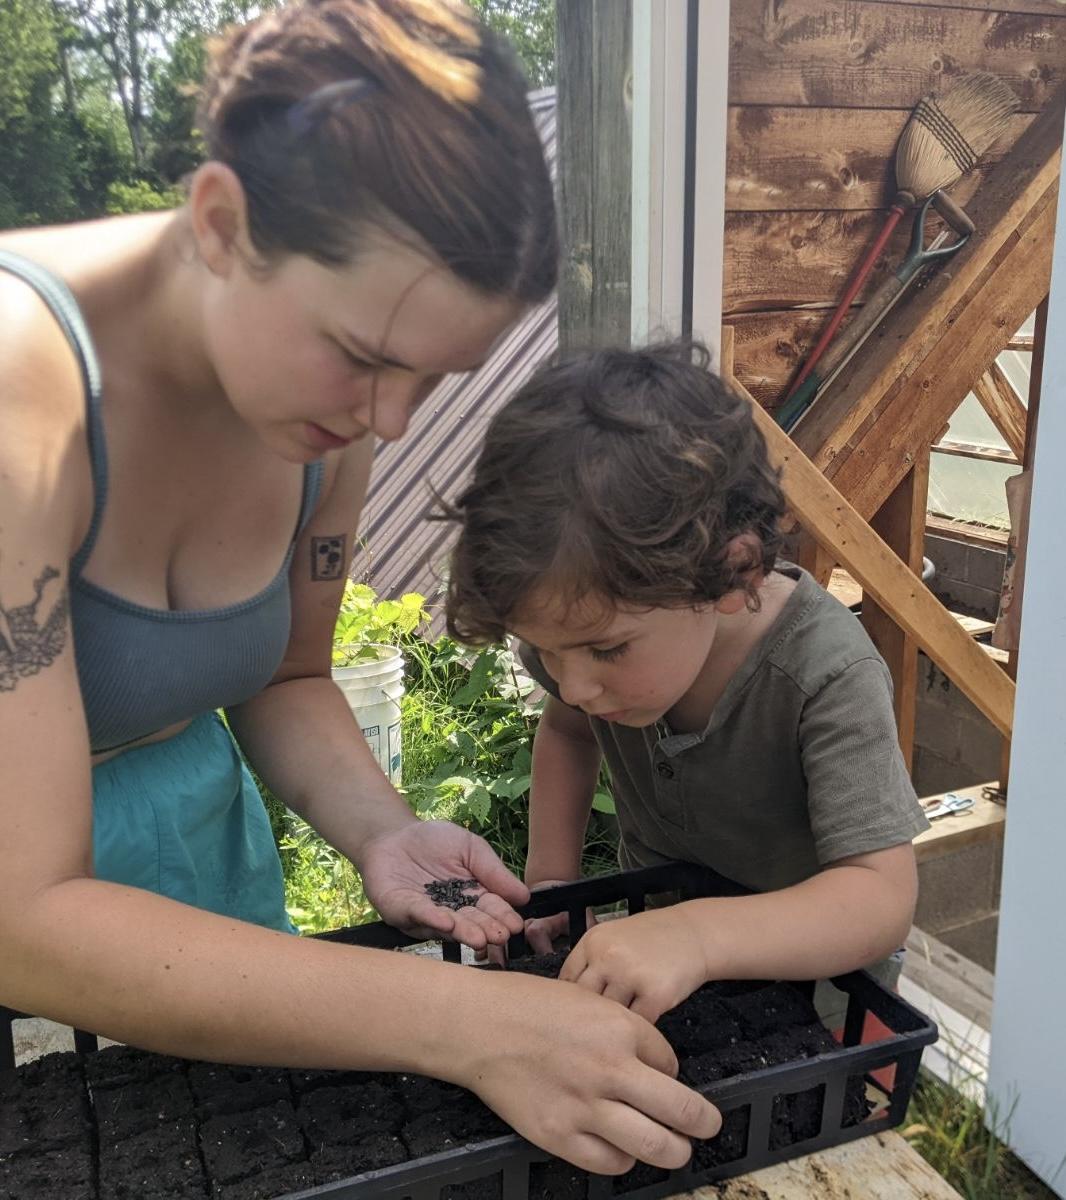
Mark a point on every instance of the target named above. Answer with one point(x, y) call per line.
point(395, 768)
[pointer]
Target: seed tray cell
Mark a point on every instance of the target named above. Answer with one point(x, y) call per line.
point(784, 1086)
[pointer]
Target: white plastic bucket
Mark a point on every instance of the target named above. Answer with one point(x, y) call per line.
point(374, 690)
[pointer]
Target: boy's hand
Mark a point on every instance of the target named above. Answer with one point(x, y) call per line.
point(543, 932)
point(649, 962)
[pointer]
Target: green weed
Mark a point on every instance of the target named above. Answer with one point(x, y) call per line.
point(949, 1131)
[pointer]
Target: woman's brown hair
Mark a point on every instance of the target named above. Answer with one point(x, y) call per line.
point(410, 115)
point(623, 475)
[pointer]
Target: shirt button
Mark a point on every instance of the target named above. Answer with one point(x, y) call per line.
point(665, 770)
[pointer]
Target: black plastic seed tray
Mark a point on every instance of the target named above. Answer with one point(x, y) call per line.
point(748, 1102)
point(823, 1086)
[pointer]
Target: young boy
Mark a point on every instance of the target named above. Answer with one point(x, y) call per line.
point(623, 524)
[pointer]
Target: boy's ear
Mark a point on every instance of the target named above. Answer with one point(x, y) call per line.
point(742, 552)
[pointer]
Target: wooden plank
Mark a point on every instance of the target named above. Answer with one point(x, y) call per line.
point(840, 529)
point(985, 822)
point(770, 346)
point(1050, 8)
point(594, 154)
point(880, 1167)
point(781, 158)
point(975, 451)
point(943, 972)
point(1004, 406)
point(779, 260)
point(870, 54)
point(1007, 267)
point(901, 523)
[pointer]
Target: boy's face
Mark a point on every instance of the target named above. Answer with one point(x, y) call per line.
point(625, 665)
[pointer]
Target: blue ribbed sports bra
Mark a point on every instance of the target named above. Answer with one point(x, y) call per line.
point(142, 669)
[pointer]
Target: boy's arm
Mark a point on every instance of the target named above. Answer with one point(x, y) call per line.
point(850, 914)
point(566, 764)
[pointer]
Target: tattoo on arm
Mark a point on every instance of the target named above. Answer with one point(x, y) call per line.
point(328, 557)
point(30, 640)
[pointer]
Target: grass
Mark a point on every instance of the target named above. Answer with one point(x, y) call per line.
point(948, 1130)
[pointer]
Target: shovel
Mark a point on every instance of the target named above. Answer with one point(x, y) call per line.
point(883, 299)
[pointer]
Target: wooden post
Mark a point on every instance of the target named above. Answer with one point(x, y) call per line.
point(901, 523)
point(593, 78)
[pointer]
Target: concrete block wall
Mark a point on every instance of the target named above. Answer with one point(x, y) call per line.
point(955, 745)
point(969, 574)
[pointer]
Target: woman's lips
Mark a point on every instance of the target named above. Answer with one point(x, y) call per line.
point(322, 439)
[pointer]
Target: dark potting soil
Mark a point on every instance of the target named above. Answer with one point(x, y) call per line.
point(123, 1124)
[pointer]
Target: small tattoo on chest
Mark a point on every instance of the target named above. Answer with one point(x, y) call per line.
point(328, 560)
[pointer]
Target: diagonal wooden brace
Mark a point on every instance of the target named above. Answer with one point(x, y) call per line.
point(839, 528)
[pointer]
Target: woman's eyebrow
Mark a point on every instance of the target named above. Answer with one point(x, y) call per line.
point(370, 353)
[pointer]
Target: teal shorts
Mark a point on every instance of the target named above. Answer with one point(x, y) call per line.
point(183, 818)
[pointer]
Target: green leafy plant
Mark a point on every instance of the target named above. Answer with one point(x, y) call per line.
point(366, 623)
point(469, 720)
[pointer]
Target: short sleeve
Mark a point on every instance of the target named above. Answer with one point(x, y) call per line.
point(859, 793)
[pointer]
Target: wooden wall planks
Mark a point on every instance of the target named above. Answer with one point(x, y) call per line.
point(872, 54)
point(820, 90)
point(790, 159)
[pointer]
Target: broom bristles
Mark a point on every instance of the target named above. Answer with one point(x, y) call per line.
point(947, 134)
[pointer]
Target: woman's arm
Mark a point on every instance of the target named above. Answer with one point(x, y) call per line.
point(302, 739)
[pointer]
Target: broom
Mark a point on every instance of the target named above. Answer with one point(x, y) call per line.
point(942, 140)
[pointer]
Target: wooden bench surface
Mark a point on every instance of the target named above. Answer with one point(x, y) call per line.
point(882, 1167)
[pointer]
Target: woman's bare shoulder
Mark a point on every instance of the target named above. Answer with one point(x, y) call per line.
point(43, 456)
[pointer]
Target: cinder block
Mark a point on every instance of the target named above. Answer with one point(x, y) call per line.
point(932, 774)
point(933, 685)
point(938, 727)
point(976, 940)
point(968, 599)
point(960, 887)
point(948, 556)
point(984, 567)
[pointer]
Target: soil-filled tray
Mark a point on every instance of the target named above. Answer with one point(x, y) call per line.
point(123, 1124)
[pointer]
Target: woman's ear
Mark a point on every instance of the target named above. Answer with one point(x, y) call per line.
point(219, 213)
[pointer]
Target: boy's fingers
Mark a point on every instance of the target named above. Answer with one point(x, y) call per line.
point(539, 935)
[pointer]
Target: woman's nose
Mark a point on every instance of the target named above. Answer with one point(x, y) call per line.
point(392, 404)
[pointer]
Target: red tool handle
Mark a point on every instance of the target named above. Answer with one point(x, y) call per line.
point(858, 278)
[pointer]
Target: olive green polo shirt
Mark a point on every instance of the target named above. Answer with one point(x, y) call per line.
point(799, 765)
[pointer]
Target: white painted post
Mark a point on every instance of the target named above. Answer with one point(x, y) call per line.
point(1027, 1071)
point(658, 205)
point(712, 94)
point(660, 169)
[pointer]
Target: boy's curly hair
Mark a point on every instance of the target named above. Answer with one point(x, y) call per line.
point(621, 474)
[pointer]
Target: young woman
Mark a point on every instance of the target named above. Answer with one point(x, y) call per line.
point(190, 402)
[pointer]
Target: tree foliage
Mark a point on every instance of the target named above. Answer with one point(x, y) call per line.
point(97, 97)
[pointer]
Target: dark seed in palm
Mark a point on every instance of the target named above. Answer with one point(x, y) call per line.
point(452, 893)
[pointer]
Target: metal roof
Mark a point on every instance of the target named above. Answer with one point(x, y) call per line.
point(401, 550)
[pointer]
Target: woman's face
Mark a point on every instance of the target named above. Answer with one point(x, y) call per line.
point(314, 357)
